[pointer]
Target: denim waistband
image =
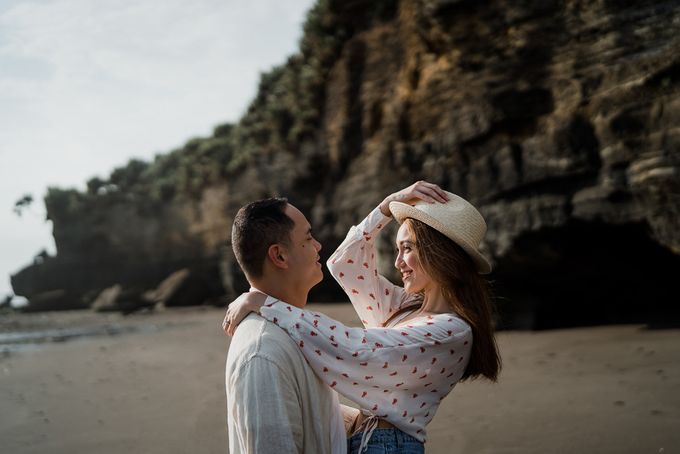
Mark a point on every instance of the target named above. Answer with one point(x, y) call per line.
point(391, 435)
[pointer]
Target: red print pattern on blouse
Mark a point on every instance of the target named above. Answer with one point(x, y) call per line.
point(411, 368)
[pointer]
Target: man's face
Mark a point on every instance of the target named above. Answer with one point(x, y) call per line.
point(303, 251)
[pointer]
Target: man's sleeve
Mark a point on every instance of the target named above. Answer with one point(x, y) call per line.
point(266, 414)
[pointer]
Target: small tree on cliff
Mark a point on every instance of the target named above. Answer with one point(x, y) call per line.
point(22, 204)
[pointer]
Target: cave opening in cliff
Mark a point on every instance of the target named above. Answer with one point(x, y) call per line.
point(585, 274)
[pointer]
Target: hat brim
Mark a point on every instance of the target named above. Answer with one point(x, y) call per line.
point(402, 211)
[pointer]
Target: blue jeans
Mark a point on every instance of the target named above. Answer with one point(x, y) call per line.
point(386, 441)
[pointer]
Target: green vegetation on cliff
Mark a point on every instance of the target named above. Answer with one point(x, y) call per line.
point(285, 112)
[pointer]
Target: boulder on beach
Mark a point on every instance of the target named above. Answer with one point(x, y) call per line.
point(118, 299)
point(181, 288)
point(106, 301)
point(52, 300)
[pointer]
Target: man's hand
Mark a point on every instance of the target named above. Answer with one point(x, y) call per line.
point(240, 308)
point(420, 190)
point(349, 417)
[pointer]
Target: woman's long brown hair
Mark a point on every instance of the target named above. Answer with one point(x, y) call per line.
point(466, 290)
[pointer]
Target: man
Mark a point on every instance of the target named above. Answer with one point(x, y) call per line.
point(275, 403)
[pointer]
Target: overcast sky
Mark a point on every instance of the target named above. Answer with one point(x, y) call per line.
point(86, 85)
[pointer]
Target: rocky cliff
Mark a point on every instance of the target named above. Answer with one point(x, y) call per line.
point(559, 120)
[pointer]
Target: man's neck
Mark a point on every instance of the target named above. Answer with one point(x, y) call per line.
point(290, 296)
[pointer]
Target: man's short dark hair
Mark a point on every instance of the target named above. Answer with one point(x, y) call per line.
point(257, 226)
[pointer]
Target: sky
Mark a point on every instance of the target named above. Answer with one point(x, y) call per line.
point(87, 85)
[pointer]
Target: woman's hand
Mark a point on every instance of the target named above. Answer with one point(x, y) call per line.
point(420, 190)
point(240, 308)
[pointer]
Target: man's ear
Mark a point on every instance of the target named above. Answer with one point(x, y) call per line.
point(278, 256)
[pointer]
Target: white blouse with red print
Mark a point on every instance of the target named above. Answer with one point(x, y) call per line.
point(400, 373)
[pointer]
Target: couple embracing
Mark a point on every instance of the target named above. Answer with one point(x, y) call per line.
point(286, 364)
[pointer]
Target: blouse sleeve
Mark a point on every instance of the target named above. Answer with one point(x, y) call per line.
point(354, 266)
point(368, 365)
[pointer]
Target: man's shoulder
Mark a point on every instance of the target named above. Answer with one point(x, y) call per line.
point(257, 337)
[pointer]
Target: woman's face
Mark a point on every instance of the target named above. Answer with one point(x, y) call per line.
point(412, 273)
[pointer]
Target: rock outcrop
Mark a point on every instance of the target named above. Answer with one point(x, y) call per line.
point(559, 120)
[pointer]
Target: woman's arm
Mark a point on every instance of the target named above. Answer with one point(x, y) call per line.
point(354, 263)
point(354, 266)
point(367, 364)
point(238, 310)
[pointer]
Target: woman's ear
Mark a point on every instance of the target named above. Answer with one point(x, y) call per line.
point(277, 255)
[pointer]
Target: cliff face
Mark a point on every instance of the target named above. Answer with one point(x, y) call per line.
point(559, 120)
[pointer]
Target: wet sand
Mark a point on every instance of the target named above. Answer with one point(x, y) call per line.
point(155, 384)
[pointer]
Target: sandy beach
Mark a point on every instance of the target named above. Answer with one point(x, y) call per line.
point(154, 383)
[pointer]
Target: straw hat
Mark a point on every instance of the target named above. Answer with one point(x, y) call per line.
point(457, 219)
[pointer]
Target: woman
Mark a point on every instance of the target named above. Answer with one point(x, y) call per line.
point(417, 341)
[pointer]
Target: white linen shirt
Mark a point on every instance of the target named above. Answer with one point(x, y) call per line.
point(275, 402)
point(400, 374)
